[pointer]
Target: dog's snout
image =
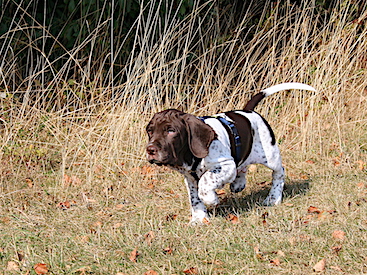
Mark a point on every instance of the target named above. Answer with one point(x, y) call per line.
point(151, 150)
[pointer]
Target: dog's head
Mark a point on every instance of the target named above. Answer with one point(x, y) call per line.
point(176, 137)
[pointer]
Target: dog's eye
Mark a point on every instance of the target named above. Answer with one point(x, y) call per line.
point(170, 130)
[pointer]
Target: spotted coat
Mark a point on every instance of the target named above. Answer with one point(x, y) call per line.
point(202, 150)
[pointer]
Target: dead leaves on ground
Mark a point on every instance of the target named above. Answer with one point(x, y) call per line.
point(21, 264)
point(149, 237)
point(233, 219)
point(340, 159)
point(338, 235)
point(315, 214)
point(40, 268)
point(12, 266)
point(191, 270)
point(272, 257)
point(134, 255)
point(71, 180)
point(320, 266)
point(66, 204)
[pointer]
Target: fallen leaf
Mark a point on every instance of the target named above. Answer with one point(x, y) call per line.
point(191, 270)
point(258, 253)
point(29, 182)
point(361, 164)
point(151, 272)
point(304, 177)
point(336, 249)
point(168, 250)
point(360, 184)
point(134, 255)
point(149, 237)
point(221, 192)
point(151, 185)
point(310, 161)
point(313, 209)
point(206, 221)
point(336, 161)
point(263, 183)
point(66, 179)
point(275, 262)
point(40, 268)
point(66, 204)
point(232, 218)
point(171, 217)
point(12, 266)
point(338, 235)
point(147, 171)
point(320, 266)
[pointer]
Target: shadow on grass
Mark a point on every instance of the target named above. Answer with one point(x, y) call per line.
point(238, 204)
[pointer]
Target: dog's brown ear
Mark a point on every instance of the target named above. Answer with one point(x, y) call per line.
point(200, 136)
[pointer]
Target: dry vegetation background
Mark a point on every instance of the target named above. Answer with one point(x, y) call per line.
point(77, 196)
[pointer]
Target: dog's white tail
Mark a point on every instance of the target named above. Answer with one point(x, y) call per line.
point(273, 89)
point(287, 86)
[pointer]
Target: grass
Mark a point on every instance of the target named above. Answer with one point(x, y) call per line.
point(78, 195)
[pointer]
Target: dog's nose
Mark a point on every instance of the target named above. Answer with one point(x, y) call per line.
point(151, 150)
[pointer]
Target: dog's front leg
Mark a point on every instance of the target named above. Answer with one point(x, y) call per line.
point(198, 209)
point(215, 178)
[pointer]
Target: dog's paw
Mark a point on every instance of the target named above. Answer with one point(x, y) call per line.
point(237, 187)
point(199, 216)
point(272, 200)
point(239, 183)
point(203, 221)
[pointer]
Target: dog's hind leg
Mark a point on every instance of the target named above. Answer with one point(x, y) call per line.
point(276, 191)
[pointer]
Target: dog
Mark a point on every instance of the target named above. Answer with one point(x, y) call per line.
point(214, 150)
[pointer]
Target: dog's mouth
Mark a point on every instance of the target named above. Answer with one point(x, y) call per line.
point(155, 161)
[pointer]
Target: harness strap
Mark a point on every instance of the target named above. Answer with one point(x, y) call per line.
point(236, 147)
point(235, 144)
point(232, 132)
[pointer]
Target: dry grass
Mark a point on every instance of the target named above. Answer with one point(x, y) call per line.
point(118, 203)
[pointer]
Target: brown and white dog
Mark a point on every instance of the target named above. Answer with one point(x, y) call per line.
point(215, 150)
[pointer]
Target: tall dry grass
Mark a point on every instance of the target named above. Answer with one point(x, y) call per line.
point(94, 129)
point(296, 47)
